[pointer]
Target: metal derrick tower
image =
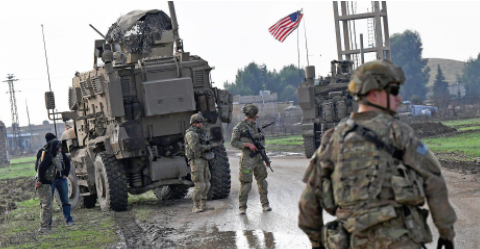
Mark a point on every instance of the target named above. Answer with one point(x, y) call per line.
point(13, 107)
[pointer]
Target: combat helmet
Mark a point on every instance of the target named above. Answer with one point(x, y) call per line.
point(250, 110)
point(196, 117)
point(375, 75)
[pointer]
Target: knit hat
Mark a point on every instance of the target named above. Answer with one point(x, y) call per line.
point(49, 137)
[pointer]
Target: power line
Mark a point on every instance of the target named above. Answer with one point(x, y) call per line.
point(13, 108)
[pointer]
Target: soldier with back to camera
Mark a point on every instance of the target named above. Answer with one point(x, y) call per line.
point(47, 170)
point(197, 150)
point(60, 182)
point(250, 165)
point(373, 173)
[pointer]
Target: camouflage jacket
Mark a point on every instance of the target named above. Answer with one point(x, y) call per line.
point(196, 143)
point(415, 155)
point(240, 137)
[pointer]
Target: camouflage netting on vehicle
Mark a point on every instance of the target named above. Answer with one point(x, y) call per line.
point(138, 29)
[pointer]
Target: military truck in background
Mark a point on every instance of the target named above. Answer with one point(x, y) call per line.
point(129, 115)
point(324, 103)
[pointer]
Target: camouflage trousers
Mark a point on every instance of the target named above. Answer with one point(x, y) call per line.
point(46, 203)
point(249, 167)
point(201, 178)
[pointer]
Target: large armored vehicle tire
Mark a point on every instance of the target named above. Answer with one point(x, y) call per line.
point(309, 146)
point(221, 178)
point(111, 183)
point(88, 202)
point(73, 192)
point(171, 192)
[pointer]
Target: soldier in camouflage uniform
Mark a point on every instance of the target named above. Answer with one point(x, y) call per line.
point(373, 173)
point(197, 148)
point(250, 166)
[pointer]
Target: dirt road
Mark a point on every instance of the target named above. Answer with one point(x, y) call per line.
point(172, 225)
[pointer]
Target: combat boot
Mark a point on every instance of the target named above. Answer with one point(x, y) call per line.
point(45, 230)
point(267, 208)
point(242, 210)
point(204, 206)
point(196, 209)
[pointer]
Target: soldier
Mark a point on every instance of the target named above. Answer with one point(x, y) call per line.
point(47, 170)
point(373, 173)
point(197, 150)
point(250, 166)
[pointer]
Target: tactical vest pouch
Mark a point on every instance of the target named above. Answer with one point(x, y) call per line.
point(209, 155)
point(327, 200)
point(408, 187)
point(334, 236)
point(341, 110)
point(416, 222)
point(225, 105)
point(51, 171)
point(59, 164)
point(364, 219)
point(328, 114)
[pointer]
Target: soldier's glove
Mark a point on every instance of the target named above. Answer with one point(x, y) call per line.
point(444, 242)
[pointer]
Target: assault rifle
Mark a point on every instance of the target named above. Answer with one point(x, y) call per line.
point(260, 150)
point(35, 181)
point(267, 125)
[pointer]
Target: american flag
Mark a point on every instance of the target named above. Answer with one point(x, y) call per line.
point(285, 26)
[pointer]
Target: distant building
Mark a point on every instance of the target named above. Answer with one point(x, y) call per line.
point(31, 141)
point(453, 89)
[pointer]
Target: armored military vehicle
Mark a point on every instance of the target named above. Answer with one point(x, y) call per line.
point(130, 113)
point(324, 103)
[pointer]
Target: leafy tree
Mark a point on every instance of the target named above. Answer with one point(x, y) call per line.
point(416, 100)
point(440, 86)
point(441, 95)
point(407, 53)
point(253, 78)
point(471, 76)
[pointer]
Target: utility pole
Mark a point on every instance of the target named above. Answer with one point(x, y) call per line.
point(29, 127)
point(13, 108)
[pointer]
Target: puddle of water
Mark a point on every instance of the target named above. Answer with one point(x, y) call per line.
point(245, 239)
point(278, 154)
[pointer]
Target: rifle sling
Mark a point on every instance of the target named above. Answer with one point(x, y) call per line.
point(371, 136)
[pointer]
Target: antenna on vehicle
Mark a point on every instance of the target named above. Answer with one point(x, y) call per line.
point(49, 96)
point(96, 30)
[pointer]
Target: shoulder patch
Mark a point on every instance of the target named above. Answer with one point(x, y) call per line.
point(422, 149)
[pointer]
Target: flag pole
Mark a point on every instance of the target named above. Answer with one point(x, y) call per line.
point(306, 45)
point(298, 50)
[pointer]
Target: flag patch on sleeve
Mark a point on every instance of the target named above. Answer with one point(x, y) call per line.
point(422, 149)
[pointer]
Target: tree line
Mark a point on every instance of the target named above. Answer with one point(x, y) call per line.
point(253, 78)
point(406, 50)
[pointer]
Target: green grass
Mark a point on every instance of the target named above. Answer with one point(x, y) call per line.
point(285, 140)
point(292, 143)
point(464, 147)
point(19, 167)
point(462, 122)
point(93, 229)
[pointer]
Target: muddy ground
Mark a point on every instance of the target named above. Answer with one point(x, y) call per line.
point(151, 223)
point(172, 225)
point(430, 129)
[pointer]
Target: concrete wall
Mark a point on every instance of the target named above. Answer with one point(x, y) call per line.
point(4, 159)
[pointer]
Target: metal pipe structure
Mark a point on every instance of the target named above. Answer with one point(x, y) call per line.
point(362, 55)
point(176, 35)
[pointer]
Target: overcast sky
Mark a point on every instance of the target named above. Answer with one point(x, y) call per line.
point(229, 35)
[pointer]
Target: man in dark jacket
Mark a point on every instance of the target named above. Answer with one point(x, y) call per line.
point(60, 181)
point(46, 174)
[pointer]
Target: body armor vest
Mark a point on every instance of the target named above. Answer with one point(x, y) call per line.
point(203, 140)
